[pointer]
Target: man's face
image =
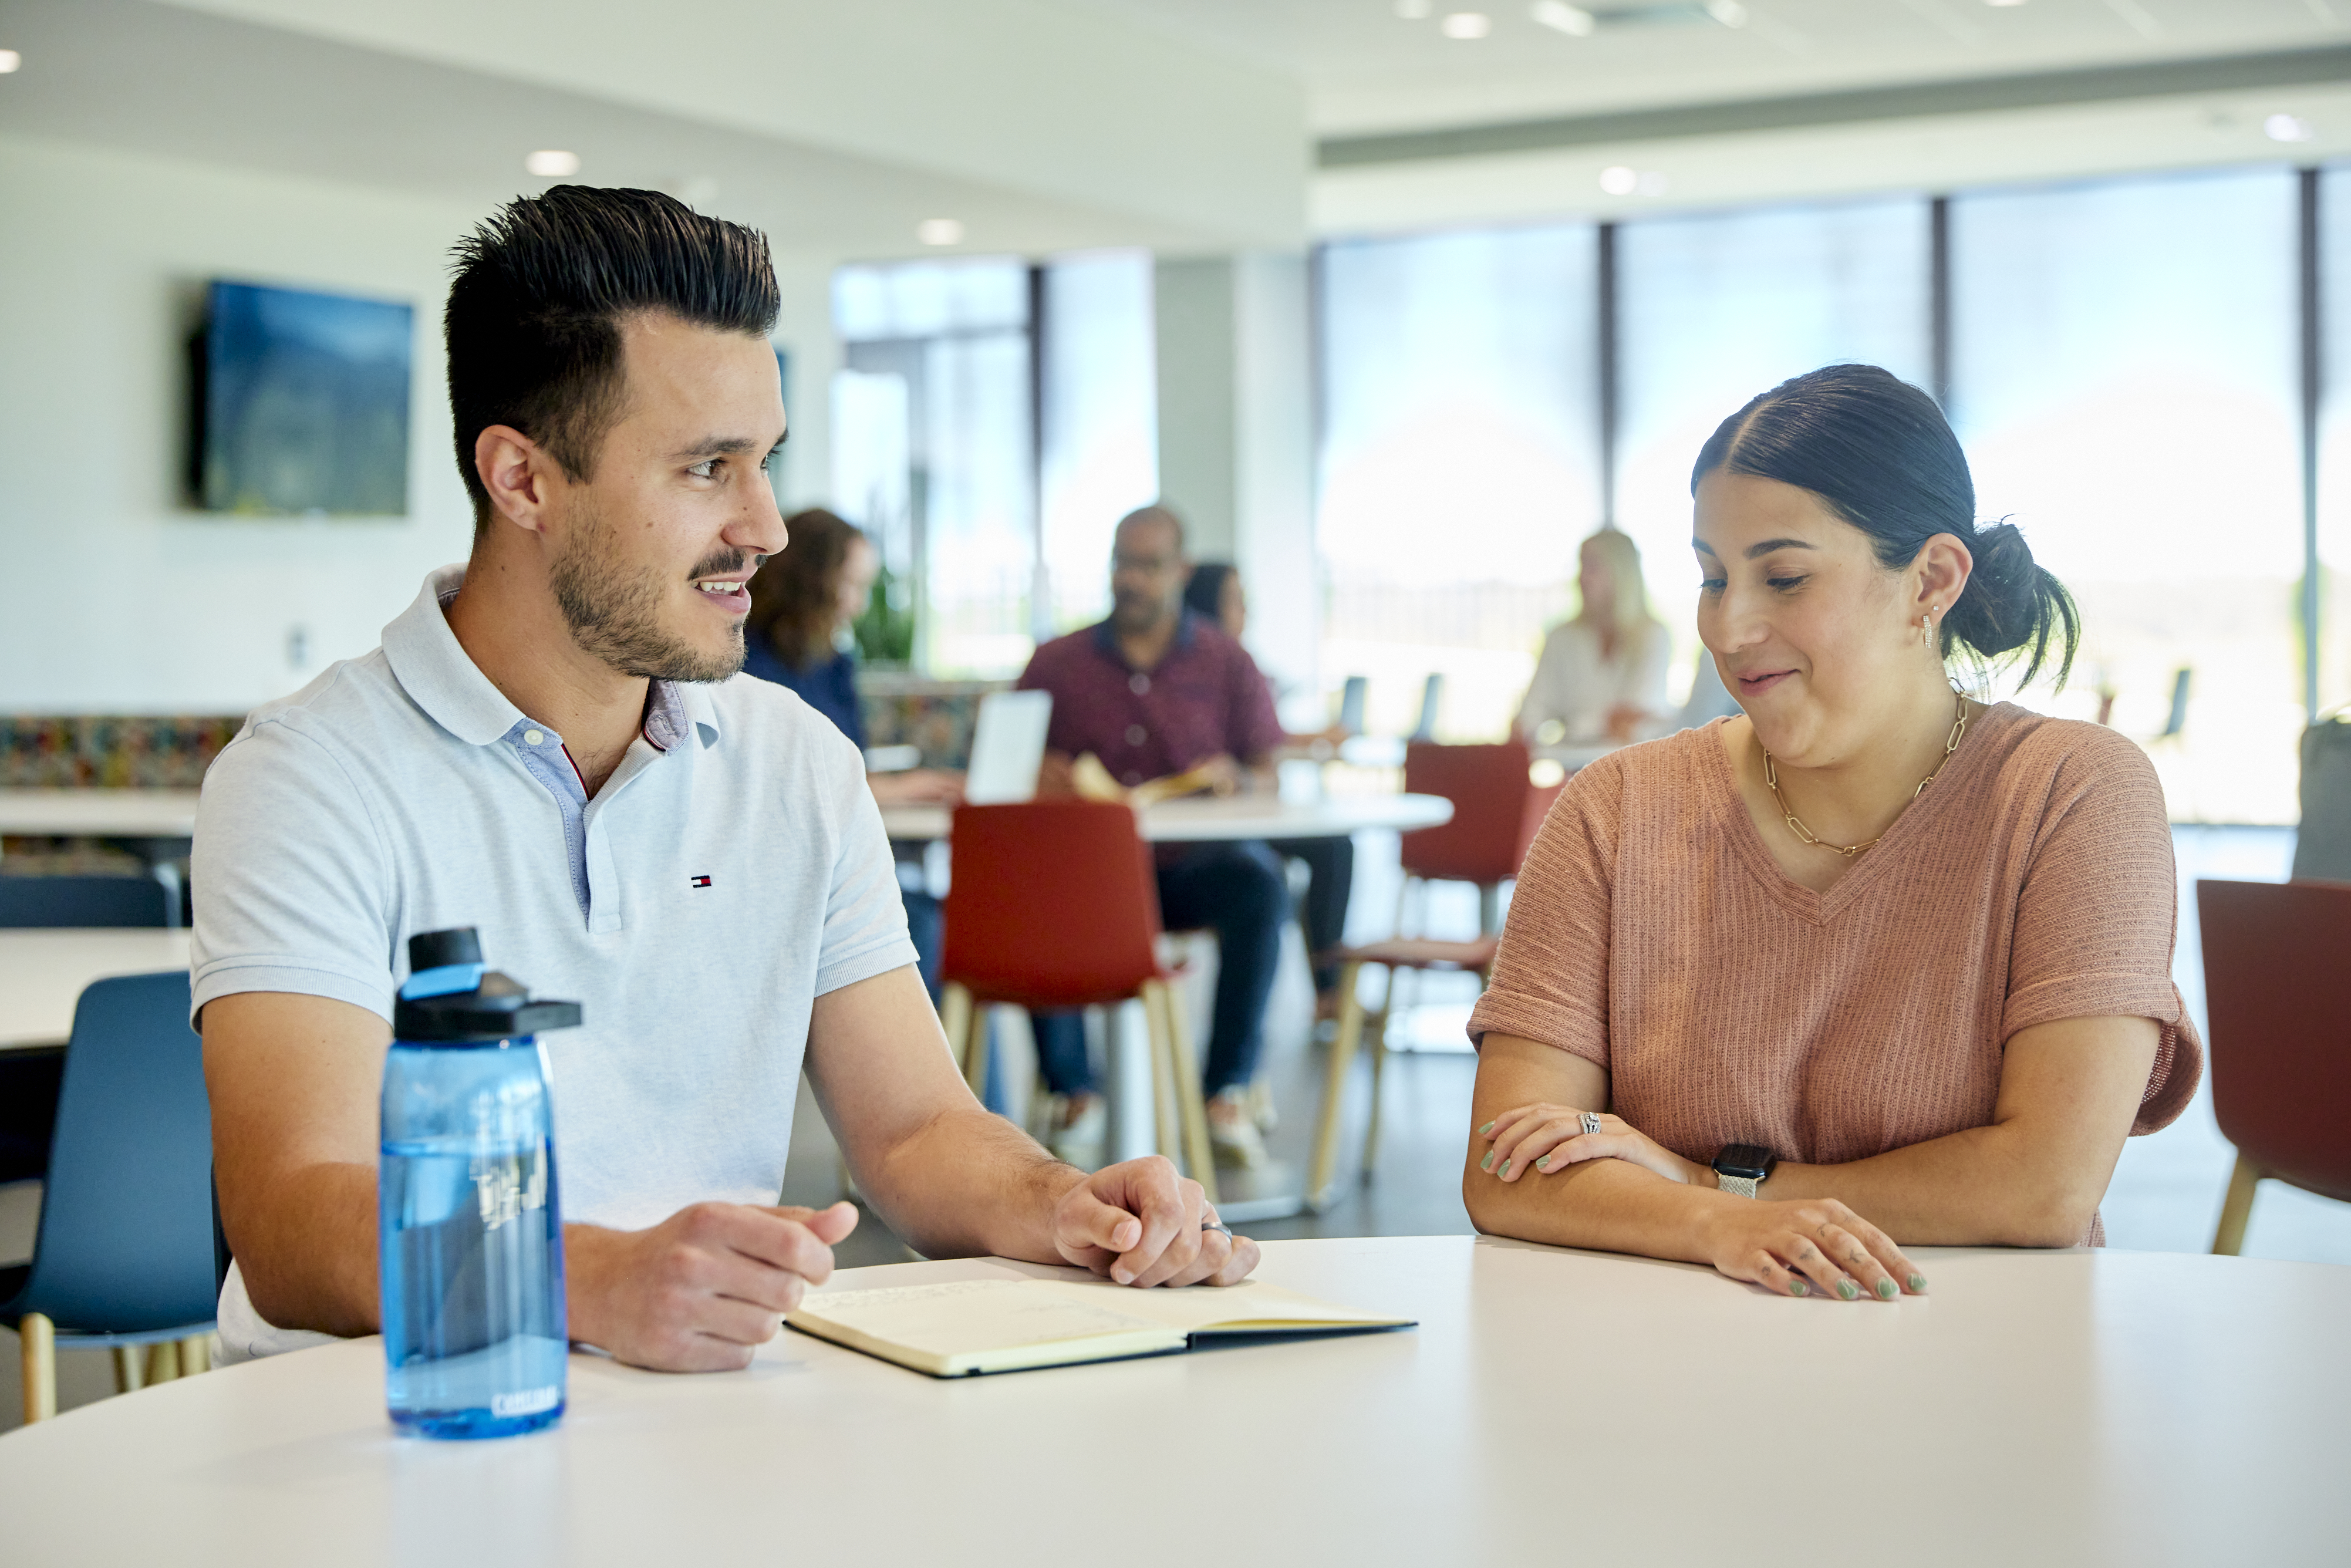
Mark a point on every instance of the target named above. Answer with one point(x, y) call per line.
point(1146, 576)
point(652, 569)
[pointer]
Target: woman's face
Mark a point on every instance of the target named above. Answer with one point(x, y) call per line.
point(1232, 606)
point(1819, 643)
point(1594, 582)
point(854, 586)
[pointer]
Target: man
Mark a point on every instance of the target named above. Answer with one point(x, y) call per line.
point(548, 746)
point(1155, 691)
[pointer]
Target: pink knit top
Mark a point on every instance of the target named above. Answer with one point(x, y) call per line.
point(1653, 933)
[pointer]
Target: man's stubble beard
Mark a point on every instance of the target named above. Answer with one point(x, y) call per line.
point(615, 616)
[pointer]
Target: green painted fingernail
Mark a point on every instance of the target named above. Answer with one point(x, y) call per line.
point(1886, 1289)
point(1506, 1166)
point(1543, 1163)
point(1798, 1288)
point(1487, 1163)
point(1487, 1131)
point(1918, 1282)
point(1848, 1289)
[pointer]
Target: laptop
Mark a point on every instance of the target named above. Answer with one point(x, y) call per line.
point(1008, 747)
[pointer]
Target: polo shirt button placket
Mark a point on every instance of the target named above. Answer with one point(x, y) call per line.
point(1136, 735)
point(1139, 683)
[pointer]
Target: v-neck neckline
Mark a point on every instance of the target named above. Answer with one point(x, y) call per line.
point(1820, 908)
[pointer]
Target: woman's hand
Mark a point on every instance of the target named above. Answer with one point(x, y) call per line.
point(1551, 1137)
point(1810, 1244)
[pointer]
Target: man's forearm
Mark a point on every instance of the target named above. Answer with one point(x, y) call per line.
point(306, 1250)
point(999, 1201)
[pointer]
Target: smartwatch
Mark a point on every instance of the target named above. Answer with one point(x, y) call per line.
point(1740, 1168)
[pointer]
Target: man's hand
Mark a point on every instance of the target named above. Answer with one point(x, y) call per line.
point(1140, 1223)
point(699, 1291)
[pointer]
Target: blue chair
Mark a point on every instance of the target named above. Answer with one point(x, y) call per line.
point(124, 1257)
point(86, 901)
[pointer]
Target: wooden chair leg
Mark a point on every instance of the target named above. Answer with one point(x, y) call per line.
point(1165, 1121)
point(129, 1369)
point(163, 1362)
point(1185, 1064)
point(1376, 1044)
point(37, 1345)
point(1344, 1042)
point(955, 1022)
point(2236, 1209)
point(975, 1054)
point(195, 1354)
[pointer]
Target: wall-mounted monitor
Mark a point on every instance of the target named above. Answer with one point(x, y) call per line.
point(302, 403)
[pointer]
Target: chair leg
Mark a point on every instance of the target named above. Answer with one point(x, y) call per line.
point(1376, 1044)
point(129, 1369)
point(1343, 1041)
point(195, 1354)
point(37, 1345)
point(2236, 1209)
point(955, 1022)
point(1165, 1119)
point(1185, 1064)
point(163, 1362)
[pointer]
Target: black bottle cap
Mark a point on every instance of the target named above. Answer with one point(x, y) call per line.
point(499, 1009)
point(438, 949)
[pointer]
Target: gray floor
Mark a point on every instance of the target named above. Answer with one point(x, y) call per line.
point(2165, 1194)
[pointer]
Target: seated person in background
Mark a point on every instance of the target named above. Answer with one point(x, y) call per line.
point(548, 746)
point(1939, 1010)
point(1155, 691)
point(1602, 675)
point(803, 603)
point(1214, 591)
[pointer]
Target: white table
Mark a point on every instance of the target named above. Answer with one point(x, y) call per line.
point(43, 971)
point(2132, 1409)
point(1212, 819)
point(99, 813)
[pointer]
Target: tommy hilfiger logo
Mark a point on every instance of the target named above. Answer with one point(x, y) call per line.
point(700, 881)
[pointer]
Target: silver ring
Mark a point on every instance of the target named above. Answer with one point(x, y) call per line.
point(1213, 1223)
point(1591, 1121)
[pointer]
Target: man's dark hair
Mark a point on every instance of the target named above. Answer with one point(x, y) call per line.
point(533, 326)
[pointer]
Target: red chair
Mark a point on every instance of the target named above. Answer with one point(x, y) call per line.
point(1497, 807)
point(2274, 958)
point(1052, 905)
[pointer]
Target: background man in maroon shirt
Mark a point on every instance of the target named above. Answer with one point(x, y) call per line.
point(1153, 691)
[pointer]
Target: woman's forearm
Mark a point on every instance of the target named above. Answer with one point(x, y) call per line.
point(1978, 1187)
point(1606, 1205)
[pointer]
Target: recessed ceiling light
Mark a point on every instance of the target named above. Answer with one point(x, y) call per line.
point(549, 163)
point(940, 231)
point(2003, 5)
point(1573, 20)
point(9, 61)
point(2286, 128)
point(1619, 180)
point(1465, 25)
point(1730, 13)
point(1414, 10)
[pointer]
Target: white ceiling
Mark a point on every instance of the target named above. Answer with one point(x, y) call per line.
point(1366, 67)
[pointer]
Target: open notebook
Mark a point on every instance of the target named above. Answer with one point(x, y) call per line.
point(956, 1328)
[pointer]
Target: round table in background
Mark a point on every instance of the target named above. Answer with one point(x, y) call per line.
point(44, 969)
point(1230, 818)
point(2132, 1409)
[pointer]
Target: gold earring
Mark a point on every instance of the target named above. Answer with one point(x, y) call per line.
point(1926, 628)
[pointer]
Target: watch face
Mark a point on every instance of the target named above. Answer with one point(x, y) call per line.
point(1745, 1160)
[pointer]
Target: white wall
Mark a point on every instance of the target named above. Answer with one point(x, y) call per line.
point(115, 597)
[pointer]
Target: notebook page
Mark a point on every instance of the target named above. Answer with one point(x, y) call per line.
point(1195, 1308)
point(968, 1317)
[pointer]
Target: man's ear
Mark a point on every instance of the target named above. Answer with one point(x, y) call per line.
point(517, 472)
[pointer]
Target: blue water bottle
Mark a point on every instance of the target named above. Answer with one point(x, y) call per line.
point(469, 1231)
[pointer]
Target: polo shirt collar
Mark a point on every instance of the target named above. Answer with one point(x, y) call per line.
point(433, 669)
point(1106, 637)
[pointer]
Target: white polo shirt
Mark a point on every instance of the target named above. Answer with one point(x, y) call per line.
point(733, 868)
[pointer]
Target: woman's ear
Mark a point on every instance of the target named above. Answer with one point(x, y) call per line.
point(1942, 569)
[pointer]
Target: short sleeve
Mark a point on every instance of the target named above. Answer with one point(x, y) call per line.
point(1550, 977)
point(1256, 728)
point(864, 913)
point(2098, 912)
point(292, 877)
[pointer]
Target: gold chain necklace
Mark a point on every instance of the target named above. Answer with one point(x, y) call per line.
point(1796, 823)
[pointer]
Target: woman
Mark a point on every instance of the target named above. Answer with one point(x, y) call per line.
point(1602, 675)
point(1871, 964)
point(803, 603)
point(1214, 592)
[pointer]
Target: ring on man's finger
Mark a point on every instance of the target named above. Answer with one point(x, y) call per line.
point(1213, 1223)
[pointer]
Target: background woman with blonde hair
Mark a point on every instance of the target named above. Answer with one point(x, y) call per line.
point(1602, 675)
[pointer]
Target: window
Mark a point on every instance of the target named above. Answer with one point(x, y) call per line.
point(1459, 461)
point(1100, 456)
point(2334, 441)
point(2125, 377)
point(1715, 307)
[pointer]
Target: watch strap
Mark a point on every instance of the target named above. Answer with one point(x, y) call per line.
point(1738, 1186)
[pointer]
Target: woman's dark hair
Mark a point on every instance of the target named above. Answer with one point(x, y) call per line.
point(1880, 454)
point(1204, 590)
point(533, 325)
point(796, 594)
